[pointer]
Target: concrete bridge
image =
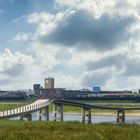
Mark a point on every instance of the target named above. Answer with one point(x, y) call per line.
point(25, 112)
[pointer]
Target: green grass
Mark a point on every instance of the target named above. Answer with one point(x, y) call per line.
point(20, 130)
point(106, 101)
point(121, 105)
point(9, 106)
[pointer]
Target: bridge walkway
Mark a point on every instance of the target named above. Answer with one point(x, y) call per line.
point(21, 111)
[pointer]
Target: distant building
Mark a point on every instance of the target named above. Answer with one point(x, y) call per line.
point(52, 92)
point(36, 89)
point(71, 93)
point(49, 83)
point(96, 89)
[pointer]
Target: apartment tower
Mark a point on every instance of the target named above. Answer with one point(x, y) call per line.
point(49, 83)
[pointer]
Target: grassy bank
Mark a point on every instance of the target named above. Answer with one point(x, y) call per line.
point(20, 130)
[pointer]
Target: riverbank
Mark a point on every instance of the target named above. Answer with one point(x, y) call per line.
point(42, 130)
point(76, 110)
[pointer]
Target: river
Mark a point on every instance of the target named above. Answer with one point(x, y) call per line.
point(94, 119)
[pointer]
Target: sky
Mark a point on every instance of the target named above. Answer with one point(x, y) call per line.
point(81, 43)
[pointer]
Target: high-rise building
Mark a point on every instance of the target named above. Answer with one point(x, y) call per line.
point(36, 89)
point(49, 83)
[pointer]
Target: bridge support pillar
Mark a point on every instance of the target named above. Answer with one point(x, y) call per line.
point(120, 116)
point(58, 112)
point(86, 112)
point(54, 111)
point(47, 113)
point(89, 115)
point(83, 115)
point(27, 117)
point(39, 115)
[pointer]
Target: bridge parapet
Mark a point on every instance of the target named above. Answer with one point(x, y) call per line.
point(37, 105)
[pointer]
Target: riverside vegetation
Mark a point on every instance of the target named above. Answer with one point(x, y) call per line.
point(42, 130)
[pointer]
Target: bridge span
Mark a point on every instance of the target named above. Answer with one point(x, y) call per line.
point(86, 110)
point(24, 112)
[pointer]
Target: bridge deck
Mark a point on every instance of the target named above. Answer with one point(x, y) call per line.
point(82, 105)
point(38, 104)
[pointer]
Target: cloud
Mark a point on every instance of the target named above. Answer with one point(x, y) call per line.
point(46, 22)
point(16, 68)
point(5, 81)
point(84, 31)
point(23, 37)
point(68, 3)
point(72, 82)
point(19, 19)
point(99, 78)
point(108, 61)
point(133, 83)
point(22, 71)
point(14, 63)
point(132, 67)
point(123, 64)
point(118, 69)
point(81, 30)
point(95, 42)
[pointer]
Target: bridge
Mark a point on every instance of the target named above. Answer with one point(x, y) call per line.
point(25, 112)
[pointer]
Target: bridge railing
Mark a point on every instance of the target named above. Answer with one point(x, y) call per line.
point(23, 109)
